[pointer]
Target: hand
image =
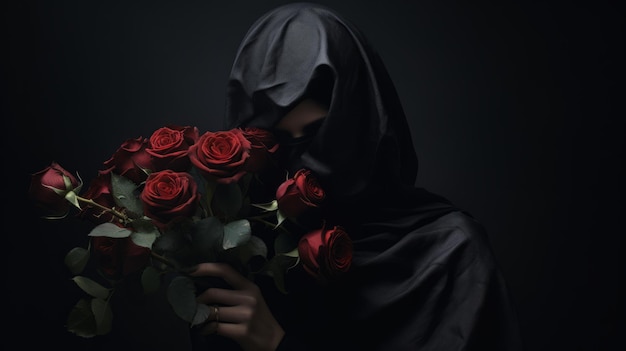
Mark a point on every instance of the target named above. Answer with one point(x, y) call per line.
point(243, 312)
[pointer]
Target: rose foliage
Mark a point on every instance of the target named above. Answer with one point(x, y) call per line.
point(179, 198)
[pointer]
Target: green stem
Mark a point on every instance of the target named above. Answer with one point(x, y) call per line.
point(267, 223)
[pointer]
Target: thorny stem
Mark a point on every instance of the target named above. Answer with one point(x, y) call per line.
point(162, 259)
point(113, 211)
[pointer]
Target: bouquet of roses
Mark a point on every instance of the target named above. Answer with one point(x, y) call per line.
point(180, 198)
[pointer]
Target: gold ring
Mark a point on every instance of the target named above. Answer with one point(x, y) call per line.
point(216, 312)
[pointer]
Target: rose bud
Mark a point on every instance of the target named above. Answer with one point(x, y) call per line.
point(168, 195)
point(262, 145)
point(131, 160)
point(299, 193)
point(221, 155)
point(169, 147)
point(54, 189)
point(100, 192)
point(326, 253)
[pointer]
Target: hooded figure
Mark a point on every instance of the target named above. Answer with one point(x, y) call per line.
point(423, 276)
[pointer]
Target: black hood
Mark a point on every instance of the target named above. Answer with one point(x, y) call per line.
point(363, 148)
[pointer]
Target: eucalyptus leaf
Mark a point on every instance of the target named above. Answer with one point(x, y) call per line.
point(181, 294)
point(125, 193)
point(91, 287)
point(227, 199)
point(168, 243)
point(103, 315)
point(150, 280)
point(202, 314)
point(143, 239)
point(208, 237)
point(111, 230)
point(81, 320)
point(144, 225)
point(241, 255)
point(236, 233)
point(76, 259)
point(256, 247)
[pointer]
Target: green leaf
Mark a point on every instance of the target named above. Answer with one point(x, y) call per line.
point(144, 225)
point(256, 247)
point(81, 320)
point(280, 218)
point(143, 239)
point(241, 255)
point(278, 266)
point(125, 193)
point(236, 233)
point(150, 280)
point(202, 314)
point(76, 259)
point(103, 315)
point(268, 206)
point(227, 199)
point(111, 230)
point(91, 287)
point(181, 294)
point(208, 237)
point(293, 253)
point(285, 242)
point(72, 198)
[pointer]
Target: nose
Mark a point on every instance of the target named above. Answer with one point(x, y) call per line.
point(302, 115)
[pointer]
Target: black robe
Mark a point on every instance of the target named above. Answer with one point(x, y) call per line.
point(423, 275)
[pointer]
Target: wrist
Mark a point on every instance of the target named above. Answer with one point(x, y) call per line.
point(277, 338)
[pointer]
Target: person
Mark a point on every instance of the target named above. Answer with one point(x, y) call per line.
point(423, 275)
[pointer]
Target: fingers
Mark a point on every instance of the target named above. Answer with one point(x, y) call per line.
point(224, 319)
point(235, 314)
point(229, 330)
point(209, 328)
point(233, 331)
point(224, 271)
point(225, 297)
point(234, 306)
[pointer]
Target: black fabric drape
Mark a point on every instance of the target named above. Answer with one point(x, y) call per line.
point(423, 274)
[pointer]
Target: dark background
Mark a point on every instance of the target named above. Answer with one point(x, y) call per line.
point(517, 112)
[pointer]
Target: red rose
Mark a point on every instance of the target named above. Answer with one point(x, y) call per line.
point(169, 147)
point(168, 195)
point(131, 160)
point(326, 253)
point(262, 144)
point(49, 188)
point(299, 193)
point(118, 257)
point(221, 154)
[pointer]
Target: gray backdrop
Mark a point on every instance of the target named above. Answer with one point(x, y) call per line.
point(516, 110)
